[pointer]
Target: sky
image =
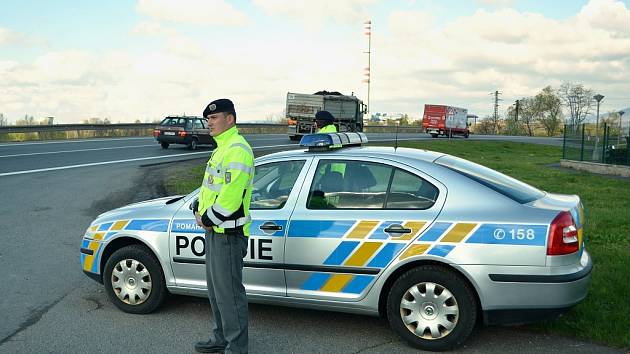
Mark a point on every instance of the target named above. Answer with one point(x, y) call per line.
point(126, 60)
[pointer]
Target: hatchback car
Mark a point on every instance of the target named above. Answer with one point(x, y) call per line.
point(190, 131)
point(432, 242)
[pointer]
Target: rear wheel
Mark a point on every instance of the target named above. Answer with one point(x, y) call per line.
point(164, 145)
point(134, 280)
point(193, 144)
point(294, 137)
point(432, 308)
point(434, 135)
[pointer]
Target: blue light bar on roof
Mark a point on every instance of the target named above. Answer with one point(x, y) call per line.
point(332, 140)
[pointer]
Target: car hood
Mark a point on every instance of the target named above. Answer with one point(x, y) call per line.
point(154, 208)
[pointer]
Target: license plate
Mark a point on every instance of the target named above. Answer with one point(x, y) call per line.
point(169, 133)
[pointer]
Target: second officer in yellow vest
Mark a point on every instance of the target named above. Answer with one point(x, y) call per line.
point(223, 211)
point(324, 121)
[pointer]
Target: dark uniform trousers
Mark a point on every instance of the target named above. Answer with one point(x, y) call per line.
point(224, 275)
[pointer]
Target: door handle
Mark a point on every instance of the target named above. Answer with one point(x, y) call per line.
point(397, 229)
point(270, 226)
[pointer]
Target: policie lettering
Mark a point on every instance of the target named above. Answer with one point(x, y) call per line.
point(259, 248)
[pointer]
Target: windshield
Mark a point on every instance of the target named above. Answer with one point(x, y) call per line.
point(506, 185)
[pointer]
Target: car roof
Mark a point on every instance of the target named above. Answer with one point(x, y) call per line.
point(365, 151)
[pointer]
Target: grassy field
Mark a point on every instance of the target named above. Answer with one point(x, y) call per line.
point(604, 316)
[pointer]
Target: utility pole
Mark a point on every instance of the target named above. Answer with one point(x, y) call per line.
point(518, 102)
point(368, 33)
point(496, 109)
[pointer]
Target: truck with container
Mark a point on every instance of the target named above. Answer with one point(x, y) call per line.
point(445, 120)
point(301, 108)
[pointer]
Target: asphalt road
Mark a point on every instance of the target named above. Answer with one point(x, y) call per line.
point(49, 193)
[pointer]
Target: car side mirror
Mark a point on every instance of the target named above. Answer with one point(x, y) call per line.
point(194, 206)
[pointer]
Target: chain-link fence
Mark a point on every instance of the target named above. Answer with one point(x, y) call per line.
point(603, 144)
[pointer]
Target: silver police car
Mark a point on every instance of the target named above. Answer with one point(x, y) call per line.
point(433, 242)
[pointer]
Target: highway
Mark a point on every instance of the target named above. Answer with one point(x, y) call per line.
point(50, 192)
point(33, 157)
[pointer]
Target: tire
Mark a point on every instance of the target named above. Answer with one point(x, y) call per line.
point(428, 325)
point(193, 144)
point(434, 136)
point(164, 145)
point(466, 135)
point(294, 137)
point(125, 287)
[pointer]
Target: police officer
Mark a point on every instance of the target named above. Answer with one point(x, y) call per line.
point(324, 122)
point(223, 211)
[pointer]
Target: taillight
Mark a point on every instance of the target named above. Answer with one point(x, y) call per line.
point(182, 134)
point(156, 132)
point(292, 121)
point(563, 235)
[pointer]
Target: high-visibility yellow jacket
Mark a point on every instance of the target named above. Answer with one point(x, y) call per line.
point(341, 168)
point(330, 128)
point(226, 191)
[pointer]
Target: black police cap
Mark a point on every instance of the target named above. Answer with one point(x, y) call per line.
point(324, 116)
point(220, 105)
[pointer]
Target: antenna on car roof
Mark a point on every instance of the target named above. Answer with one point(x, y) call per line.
point(396, 139)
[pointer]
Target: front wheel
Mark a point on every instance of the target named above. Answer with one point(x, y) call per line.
point(432, 308)
point(134, 280)
point(434, 136)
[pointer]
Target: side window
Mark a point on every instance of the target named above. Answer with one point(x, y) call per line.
point(409, 191)
point(349, 185)
point(198, 124)
point(189, 124)
point(204, 123)
point(273, 183)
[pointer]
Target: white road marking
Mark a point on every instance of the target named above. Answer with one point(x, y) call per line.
point(75, 141)
point(80, 150)
point(125, 160)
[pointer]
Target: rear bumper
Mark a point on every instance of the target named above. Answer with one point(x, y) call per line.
point(511, 295)
point(173, 139)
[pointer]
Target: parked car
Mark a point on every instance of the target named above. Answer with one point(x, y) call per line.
point(190, 131)
point(432, 242)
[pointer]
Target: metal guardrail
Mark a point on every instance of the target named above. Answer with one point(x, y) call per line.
point(101, 127)
point(127, 126)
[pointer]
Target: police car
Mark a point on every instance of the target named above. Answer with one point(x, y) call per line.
point(433, 242)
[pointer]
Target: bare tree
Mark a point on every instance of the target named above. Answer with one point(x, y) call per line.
point(3, 120)
point(578, 99)
point(548, 107)
point(28, 120)
point(488, 125)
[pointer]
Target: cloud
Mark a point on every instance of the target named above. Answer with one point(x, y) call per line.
point(518, 53)
point(497, 3)
point(197, 12)
point(314, 14)
point(608, 15)
point(152, 29)
point(415, 60)
point(11, 37)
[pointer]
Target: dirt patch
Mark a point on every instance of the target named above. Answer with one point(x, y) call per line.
point(148, 185)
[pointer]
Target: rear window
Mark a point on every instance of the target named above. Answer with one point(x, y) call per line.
point(506, 185)
point(174, 122)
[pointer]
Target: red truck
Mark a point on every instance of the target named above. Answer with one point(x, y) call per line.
point(445, 120)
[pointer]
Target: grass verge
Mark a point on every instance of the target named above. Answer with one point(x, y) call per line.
point(604, 316)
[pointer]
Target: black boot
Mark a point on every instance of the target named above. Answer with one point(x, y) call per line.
point(209, 347)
